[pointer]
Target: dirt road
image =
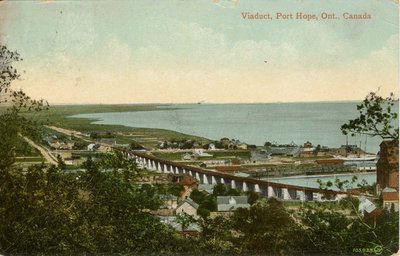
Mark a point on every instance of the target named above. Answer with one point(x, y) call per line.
point(45, 152)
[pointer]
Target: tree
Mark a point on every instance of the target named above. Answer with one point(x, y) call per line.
point(266, 227)
point(217, 236)
point(13, 125)
point(60, 163)
point(185, 220)
point(335, 233)
point(377, 116)
point(135, 146)
point(267, 144)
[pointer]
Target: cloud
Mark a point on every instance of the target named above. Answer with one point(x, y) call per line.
point(187, 62)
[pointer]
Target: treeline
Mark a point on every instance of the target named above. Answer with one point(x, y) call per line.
point(46, 211)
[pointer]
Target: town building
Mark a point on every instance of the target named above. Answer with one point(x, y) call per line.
point(346, 150)
point(211, 146)
point(168, 201)
point(187, 157)
point(387, 173)
point(390, 199)
point(242, 146)
point(199, 152)
point(188, 206)
point(307, 152)
point(365, 206)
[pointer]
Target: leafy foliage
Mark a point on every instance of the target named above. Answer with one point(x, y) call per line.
point(185, 220)
point(96, 211)
point(12, 123)
point(377, 116)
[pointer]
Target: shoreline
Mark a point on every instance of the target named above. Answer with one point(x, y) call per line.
point(62, 116)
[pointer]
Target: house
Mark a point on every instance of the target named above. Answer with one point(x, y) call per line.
point(307, 152)
point(74, 160)
point(192, 229)
point(259, 156)
point(365, 206)
point(92, 147)
point(277, 151)
point(188, 206)
point(168, 201)
point(390, 199)
point(346, 150)
point(211, 146)
point(187, 157)
point(293, 151)
point(199, 152)
point(242, 146)
point(231, 203)
point(387, 168)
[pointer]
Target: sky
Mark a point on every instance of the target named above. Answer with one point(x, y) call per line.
point(178, 51)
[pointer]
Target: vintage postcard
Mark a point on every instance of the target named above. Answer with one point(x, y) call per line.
point(204, 127)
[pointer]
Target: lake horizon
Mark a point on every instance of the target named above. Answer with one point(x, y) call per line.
point(251, 123)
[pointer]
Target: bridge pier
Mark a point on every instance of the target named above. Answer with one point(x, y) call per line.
point(233, 184)
point(205, 179)
point(271, 192)
point(301, 195)
point(285, 194)
point(244, 187)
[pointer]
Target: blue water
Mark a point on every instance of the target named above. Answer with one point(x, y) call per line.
point(251, 123)
point(311, 181)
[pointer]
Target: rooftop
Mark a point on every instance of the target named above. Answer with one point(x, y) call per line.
point(190, 202)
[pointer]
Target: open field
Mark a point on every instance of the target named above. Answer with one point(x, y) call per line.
point(59, 116)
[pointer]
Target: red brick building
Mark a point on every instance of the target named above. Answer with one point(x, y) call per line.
point(387, 168)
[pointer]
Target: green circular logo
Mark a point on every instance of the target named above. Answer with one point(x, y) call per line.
point(378, 249)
